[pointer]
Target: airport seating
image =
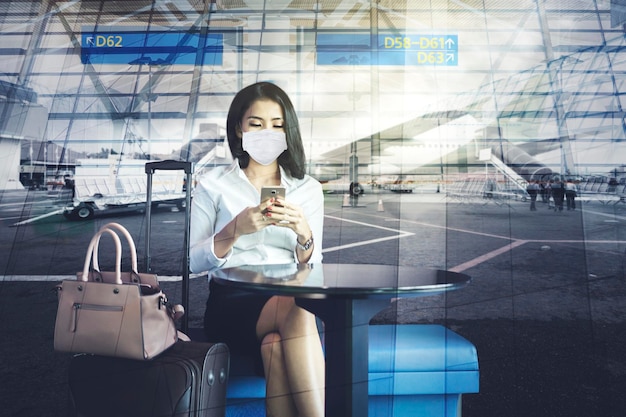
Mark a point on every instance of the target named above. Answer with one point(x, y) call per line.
point(413, 370)
point(467, 189)
point(597, 189)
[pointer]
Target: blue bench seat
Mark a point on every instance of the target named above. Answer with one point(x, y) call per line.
point(414, 369)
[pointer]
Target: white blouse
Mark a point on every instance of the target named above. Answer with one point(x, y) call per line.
point(222, 194)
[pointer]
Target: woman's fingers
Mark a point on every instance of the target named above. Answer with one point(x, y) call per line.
point(288, 215)
point(280, 210)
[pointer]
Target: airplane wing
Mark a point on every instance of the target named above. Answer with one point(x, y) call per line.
point(386, 143)
point(418, 146)
point(422, 145)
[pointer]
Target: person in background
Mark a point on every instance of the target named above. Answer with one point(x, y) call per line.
point(558, 194)
point(543, 190)
point(549, 196)
point(533, 190)
point(570, 194)
point(231, 227)
point(70, 184)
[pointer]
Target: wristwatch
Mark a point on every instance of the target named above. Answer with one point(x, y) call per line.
point(306, 245)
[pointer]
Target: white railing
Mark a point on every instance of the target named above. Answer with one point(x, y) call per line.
point(513, 176)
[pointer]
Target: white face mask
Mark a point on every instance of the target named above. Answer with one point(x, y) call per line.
point(264, 146)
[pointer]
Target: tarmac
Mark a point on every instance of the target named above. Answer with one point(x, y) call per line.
point(546, 308)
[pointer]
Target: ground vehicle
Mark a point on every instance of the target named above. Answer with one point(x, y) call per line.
point(118, 183)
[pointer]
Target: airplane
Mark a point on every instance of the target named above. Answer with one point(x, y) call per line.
point(424, 150)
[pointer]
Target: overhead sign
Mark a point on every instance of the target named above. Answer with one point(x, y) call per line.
point(139, 46)
point(387, 49)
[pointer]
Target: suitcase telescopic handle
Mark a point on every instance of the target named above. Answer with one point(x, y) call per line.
point(171, 165)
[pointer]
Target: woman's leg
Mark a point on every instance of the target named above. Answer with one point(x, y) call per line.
point(300, 350)
point(278, 395)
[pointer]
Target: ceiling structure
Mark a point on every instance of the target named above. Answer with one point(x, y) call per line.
point(545, 71)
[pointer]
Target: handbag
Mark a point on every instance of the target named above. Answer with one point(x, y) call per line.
point(111, 313)
point(132, 276)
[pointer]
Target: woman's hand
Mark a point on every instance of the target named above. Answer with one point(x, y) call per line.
point(281, 213)
point(253, 219)
point(249, 220)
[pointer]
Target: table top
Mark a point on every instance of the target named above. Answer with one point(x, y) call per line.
point(341, 280)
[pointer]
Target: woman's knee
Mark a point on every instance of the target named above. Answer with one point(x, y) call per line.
point(282, 315)
point(271, 346)
point(271, 340)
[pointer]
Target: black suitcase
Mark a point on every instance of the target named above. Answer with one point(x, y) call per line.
point(189, 379)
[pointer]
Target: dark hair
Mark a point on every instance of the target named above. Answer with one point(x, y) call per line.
point(293, 159)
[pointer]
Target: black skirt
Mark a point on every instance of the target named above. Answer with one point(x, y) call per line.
point(231, 316)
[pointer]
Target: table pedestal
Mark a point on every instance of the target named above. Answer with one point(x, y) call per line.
point(346, 323)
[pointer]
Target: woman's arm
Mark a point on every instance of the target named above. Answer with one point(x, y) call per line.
point(210, 249)
point(249, 220)
point(202, 256)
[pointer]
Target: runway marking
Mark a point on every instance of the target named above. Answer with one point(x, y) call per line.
point(59, 278)
point(365, 242)
point(10, 218)
point(597, 213)
point(514, 243)
point(35, 278)
point(400, 234)
point(366, 224)
point(20, 204)
point(487, 256)
point(576, 241)
point(427, 225)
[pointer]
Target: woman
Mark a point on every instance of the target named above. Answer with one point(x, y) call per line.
point(230, 226)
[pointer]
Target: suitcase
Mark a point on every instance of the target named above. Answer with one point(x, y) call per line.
point(189, 379)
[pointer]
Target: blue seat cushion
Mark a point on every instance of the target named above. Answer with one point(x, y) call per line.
point(406, 359)
point(420, 359)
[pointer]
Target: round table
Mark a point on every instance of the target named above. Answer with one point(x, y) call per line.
point(345, 297)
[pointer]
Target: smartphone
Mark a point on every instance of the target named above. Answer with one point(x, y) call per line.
point(269, 192)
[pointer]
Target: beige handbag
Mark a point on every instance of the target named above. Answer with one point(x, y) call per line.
point(113, 313)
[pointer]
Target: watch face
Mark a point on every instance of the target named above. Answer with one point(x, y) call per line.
point(306, 245)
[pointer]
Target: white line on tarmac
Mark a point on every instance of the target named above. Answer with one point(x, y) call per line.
point(10, 218)
point(487, 256)
point(367, 224)
point(59, 278)
point(365, 242)
point(597, 213)
point(514, 243)
point(400, 234)
point(435, 226)
point(459, 268)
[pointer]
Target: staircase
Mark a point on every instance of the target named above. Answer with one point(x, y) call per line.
point(509, 173)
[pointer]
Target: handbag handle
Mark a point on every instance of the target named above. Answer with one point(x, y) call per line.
point(131, 245)
point(92, 252)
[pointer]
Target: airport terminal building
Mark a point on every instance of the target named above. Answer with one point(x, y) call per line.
point(425, 122)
